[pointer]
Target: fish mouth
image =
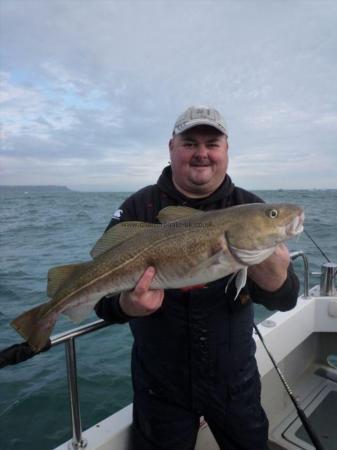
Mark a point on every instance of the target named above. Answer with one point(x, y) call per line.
point(295, 227)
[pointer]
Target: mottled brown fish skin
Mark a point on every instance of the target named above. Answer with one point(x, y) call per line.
point(193, 250)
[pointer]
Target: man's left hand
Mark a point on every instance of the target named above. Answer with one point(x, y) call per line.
point(272, 272)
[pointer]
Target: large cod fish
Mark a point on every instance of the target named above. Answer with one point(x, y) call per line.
point(188, 247)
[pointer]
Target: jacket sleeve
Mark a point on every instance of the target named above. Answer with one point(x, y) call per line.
point(108, 308)
point(283, 299)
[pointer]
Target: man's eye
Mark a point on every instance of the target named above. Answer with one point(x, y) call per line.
point(188, 144)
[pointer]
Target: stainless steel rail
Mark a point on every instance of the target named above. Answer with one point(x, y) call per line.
point(301, 254)
point(68, 338)
point(79, 331)
point(328, 279)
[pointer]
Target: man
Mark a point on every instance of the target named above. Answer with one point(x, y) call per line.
point(193, 352)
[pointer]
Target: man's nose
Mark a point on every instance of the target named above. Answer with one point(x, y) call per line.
point(202, 150)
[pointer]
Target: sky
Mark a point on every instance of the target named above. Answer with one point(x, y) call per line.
point(90, 89)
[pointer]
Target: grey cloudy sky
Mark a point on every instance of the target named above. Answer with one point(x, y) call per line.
point(90, 89)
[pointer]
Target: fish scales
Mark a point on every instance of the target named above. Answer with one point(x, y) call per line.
point(189, 247)
point(128, 264)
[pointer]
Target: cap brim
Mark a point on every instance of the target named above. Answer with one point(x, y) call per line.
point(197, 123)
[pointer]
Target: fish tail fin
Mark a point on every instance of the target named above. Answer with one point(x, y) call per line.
point(35, 326)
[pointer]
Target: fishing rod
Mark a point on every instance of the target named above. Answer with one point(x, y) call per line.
point(301, 414)
point(18, 353)
point(325, 256)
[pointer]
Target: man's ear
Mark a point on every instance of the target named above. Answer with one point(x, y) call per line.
point(171, 144)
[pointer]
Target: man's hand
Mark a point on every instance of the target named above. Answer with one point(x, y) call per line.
point(272, 272)
point(142, 301)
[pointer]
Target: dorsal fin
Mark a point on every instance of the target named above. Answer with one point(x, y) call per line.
point(57, 276)
point(118, 234)
point(172, 213)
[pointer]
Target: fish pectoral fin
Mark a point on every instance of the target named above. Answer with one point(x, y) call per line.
point(229, 281)
point(57, 276)
point(172, 213)
point(79, 312)
point(118, 234)
point(240, 281)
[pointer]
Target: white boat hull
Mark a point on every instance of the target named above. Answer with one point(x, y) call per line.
point(299, 340)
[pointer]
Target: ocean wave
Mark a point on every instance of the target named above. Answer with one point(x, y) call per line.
point(57, 229)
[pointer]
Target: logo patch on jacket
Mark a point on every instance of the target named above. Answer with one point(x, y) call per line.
point(117, 214)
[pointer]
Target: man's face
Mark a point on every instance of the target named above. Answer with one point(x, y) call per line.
point(199, 160)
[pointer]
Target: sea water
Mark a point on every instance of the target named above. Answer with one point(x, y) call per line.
point(45, 227)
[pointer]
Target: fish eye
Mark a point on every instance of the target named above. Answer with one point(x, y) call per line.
point(272, 213)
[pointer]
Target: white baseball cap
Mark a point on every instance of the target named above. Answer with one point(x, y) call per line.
point(200, 115)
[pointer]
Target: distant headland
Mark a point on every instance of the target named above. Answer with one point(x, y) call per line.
point(48, 188)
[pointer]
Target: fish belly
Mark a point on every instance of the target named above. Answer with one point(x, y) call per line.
point(80, 306)
point(217, 266)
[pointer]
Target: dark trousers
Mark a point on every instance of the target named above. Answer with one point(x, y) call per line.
point(240, 424)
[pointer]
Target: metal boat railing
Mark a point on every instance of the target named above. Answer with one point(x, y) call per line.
point(301, 254)
point(68, 338)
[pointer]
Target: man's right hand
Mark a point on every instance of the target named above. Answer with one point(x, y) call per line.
point(142, 300)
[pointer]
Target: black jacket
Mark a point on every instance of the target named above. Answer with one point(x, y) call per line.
point(200, 341)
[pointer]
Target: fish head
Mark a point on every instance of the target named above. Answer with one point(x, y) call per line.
point(259, 227)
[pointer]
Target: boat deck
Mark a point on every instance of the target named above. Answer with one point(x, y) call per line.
point(323, 418)
point(303, 342)
point(316, 391)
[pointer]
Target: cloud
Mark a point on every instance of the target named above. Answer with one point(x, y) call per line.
point(90, 94)
point(27, 111)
